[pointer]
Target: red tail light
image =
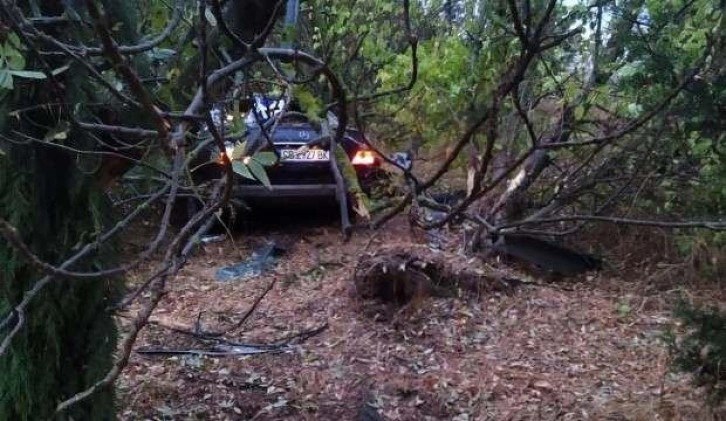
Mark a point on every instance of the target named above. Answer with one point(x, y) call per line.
point(364, 157)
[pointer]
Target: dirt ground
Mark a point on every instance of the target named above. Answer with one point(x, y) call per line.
point(584, 348)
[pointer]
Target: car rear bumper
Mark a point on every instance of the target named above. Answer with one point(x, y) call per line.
point(285, 191)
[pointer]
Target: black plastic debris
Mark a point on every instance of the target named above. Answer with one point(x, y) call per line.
point(369, 412)
point(262, 259)
point(449, 198)
point(545, 255)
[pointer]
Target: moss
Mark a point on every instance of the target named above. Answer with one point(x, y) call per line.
point(360, 199)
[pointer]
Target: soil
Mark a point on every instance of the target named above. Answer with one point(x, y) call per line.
point(588, 347)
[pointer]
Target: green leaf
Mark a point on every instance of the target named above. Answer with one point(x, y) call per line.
point(14, 40)
point(633, 109)
point(312, 105)
point(6, 79)
point(242, 170)
point(259, 172)
point(579, 112)
point(60, 70)
point(623, 309)
point(14, 58)
point(265, 158)
point(239, 150)
point(28, 74)
point(210, 17)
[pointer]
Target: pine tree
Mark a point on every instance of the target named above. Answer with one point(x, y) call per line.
point(702, 351)
point(53, 199)
point(69, 337)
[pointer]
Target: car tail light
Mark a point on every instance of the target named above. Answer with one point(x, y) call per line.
point(364, 157)
point(229, 151)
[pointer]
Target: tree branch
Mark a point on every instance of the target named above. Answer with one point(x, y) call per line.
point(717, 225)
point(111, 51)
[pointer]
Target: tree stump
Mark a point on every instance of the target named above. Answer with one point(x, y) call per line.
point(400, 274)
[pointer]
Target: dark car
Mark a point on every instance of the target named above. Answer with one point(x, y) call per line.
point(302, 169)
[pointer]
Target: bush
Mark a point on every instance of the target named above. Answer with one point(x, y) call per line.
point(702, 350)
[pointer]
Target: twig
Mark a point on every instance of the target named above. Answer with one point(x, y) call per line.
point(156, 289)
point(304, 335)
point(241, 321)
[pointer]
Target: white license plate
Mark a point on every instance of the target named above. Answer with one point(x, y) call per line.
point(304, 155)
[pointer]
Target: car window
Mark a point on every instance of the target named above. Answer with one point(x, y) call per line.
point(263, 109)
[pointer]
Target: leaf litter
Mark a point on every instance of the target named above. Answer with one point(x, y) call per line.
point(587, 348)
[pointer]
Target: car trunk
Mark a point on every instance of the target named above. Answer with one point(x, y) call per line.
point(297, 167)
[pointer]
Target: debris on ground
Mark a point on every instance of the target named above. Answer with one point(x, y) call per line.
point(222, 350)
point(449, 198)
point(398, 275)
point(545, 255)
point(368, 412)
point(261, 260)
point(588, 348)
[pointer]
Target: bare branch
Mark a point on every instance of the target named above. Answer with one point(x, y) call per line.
point(111, 51)
point(518, 27)
point(157, 289)
point(533, 138)
point(118, 130)
point(400, 206)
point(717, 225)
point(174, 21)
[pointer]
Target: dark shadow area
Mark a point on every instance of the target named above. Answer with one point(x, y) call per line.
point(281, 216)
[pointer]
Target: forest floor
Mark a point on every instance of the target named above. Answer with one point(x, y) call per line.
point(589, 347)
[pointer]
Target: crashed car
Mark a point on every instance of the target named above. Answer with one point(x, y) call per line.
point(300, 169)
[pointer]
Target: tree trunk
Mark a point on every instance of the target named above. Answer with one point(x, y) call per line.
point(67, 341)
point(68, 338)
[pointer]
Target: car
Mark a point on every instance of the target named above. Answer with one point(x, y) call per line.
point(301, 171)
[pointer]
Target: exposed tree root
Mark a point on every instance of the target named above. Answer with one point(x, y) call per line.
point(402, 274)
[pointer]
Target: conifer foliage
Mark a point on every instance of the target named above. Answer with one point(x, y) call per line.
point(702, 351)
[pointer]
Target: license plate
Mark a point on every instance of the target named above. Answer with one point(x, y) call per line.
point(304, 155)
